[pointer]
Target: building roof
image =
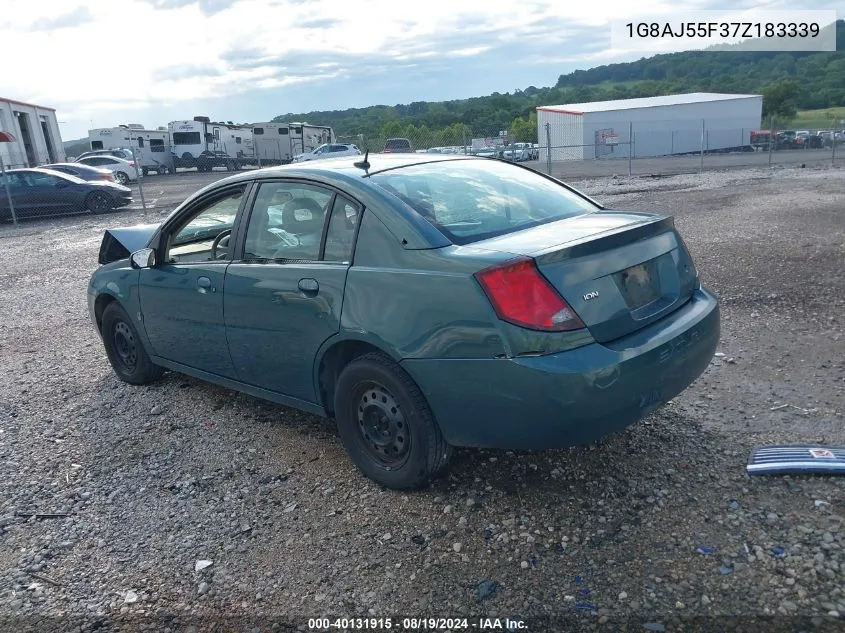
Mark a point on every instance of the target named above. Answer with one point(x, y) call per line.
point(645, 102)
point(24, 103)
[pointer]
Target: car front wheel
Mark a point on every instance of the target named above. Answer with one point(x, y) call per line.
point(99, 202)
point(121, 177)
point(386, 424)
point(124, 349)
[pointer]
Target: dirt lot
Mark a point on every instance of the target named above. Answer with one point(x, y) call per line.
point(152, 480)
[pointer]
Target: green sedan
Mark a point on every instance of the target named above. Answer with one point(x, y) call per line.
point(423, 302)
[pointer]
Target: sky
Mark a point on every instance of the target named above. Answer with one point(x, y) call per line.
point(102, 63)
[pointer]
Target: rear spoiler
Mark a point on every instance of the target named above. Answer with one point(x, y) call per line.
point(120, 243)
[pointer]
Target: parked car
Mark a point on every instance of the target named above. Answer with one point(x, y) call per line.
point(398, 146)
point(517, 152)
point(535, 151)
point(119, 152)
point(124, 170)
point(814, 141)
point(82, 171)
point(43, 192)
point(328, 150)
point(488, 152)
point(208, 160)
point(523, 313)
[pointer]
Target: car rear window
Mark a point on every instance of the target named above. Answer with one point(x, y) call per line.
point(472, 200)
point(397, 143)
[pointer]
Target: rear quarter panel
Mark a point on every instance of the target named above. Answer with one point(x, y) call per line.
point(417, 303)
point(426, 303)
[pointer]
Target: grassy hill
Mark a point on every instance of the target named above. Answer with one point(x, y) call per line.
point(823, 118)
point(821, 79)
point(76, 146)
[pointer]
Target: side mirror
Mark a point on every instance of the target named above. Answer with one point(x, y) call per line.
point(144, 258)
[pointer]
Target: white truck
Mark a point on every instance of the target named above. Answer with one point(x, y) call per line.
point(151, 148)
point(277, 143)
point(204, 145)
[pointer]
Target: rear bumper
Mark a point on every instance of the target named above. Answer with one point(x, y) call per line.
point(573, 397)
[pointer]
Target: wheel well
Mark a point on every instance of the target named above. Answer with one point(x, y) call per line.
point(334, 360)
point(100, 306)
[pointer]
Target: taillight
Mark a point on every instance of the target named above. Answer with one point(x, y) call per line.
point(109, 177)
point(521, 295)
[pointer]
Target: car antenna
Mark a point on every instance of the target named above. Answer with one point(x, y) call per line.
point(364, 164)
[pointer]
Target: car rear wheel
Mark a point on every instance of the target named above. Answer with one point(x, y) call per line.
point(386, 425)
point(124, 349)
point(99, 202)
point(121, 177)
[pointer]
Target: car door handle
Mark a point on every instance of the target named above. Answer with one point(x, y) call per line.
point(309, 285)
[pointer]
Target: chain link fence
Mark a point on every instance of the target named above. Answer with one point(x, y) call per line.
point(607, 148)
point(576, 148)
point(67, 188)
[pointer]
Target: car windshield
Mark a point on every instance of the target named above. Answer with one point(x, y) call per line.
point(472, 200)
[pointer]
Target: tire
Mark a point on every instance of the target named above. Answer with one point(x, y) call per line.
point(126, 353)
point(121, 177)
point(374, 394)
point(145, 172)
point(161, 171)
point(99, 202)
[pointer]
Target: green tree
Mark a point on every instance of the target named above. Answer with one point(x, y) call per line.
point(524, 131)
point(779, 99)
point(392, 129)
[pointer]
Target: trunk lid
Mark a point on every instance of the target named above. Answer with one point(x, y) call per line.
point(619, 271)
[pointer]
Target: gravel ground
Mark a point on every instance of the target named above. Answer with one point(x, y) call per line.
point(111, 494)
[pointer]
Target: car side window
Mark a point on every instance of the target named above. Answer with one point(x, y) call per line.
point(340, 237)
point(45, 180)
point(287, 222)
point(14, 180)
point(204, 235)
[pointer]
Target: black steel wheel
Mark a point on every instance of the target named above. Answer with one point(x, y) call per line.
point(99, 202)
point(124, 348)
point(386, 424)
point(381, 425)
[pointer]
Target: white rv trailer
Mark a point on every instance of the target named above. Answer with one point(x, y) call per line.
point(277, 143)
point(189, 139)
point(272, 143)
point(305, 137)
point(150, 147)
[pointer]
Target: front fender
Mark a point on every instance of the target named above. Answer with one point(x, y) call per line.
point(117, 281)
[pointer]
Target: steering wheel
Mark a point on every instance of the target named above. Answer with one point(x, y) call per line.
point(218, 243)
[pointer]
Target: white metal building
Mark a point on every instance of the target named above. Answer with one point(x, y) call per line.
point(652, 126)
point(36, 132)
